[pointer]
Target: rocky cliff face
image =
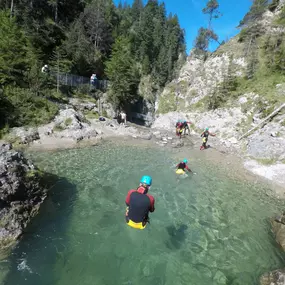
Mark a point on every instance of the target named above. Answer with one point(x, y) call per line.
point(246, 103)
point(22, 191)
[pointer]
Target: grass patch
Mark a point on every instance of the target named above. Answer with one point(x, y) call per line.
point(68, 121)
point(265, 161)
point(91, 115)
point(167, 103)
point(58, 128)
point(4, 131)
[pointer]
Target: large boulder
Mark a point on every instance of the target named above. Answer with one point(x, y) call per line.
point(278, 227)
point(24, 135)
point(69, 119)
point(22, 191)
point(72, 124)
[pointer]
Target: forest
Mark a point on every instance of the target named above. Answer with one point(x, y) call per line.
point(120, 43)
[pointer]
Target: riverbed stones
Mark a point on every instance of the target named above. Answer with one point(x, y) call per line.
point(21, 194)
point(276, 277)
point(268, 142)
point(146, 136)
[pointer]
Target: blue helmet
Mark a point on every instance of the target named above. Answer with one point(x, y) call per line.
point(146, 180)
point(185, 160)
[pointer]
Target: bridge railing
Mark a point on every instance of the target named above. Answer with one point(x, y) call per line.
point(72, 80)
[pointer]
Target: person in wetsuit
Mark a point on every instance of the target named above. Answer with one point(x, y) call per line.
point(205, 136)
point(182, 166)
point(179, 128)
point(139, 204)
point(186, 127)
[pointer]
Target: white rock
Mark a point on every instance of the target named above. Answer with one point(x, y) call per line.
point(242, 100)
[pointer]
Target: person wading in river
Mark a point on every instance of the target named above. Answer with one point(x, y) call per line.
point(205, 136)
point(139, 204)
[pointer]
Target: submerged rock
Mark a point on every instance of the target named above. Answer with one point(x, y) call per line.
point(21, 194)
point(278, 227)
point(276, 277)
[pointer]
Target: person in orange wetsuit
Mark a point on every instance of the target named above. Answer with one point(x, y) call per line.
point(139, 204)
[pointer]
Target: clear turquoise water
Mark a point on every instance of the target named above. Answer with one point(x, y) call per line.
point(210, 228)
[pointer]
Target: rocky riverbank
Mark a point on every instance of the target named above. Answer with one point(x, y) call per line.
point(22, 191)
point(262, 152)
point(78, 124)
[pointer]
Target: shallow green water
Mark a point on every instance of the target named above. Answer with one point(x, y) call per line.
point(207, 229)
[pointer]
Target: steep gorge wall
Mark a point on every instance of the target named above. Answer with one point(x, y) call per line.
point(253, 99)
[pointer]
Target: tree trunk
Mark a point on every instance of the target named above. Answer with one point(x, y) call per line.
point(56, 11)
point(57, 78)
point(274, 113)
point(12, 8)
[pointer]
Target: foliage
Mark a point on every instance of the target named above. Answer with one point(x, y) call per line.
point(123, 74)
point(273, 5)
point(13, 61)
point(274, 51)
point(212, 9)
point(203, 39)
point(224, 90)
point(91, 115)
point(84, 37)
point(206, 35)
point(27, 108)
point(257, 8)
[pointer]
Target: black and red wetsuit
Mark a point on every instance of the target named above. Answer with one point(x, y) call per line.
point(182, 165)
point(140, 204)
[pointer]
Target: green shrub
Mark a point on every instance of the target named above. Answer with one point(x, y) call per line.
point(91, 115)
point(55, 96)
point(82, 91)
point(68, 121)
point(58, 128)
point(28, 109)
point(4, 131)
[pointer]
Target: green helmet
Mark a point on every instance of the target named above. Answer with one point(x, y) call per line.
point(185, 160)
point(207, 129)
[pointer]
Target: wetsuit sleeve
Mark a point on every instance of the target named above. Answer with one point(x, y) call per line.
point(152, 201)
point(186, 166)
point(129, 196)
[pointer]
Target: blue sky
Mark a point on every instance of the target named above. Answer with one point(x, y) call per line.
point(191, 17)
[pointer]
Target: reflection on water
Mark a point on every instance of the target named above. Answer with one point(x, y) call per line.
point(207, 229)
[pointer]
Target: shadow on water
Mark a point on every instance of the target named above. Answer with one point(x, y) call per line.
point(45, 239)
point(177, 236)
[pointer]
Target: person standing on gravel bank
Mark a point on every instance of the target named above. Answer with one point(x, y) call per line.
point(123, 117)
point(186, 127)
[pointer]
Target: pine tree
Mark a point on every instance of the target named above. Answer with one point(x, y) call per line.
point(123, 74)
point(13, 61)
point(212, 10)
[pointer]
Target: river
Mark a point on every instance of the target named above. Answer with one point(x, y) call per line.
point(208, 228)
